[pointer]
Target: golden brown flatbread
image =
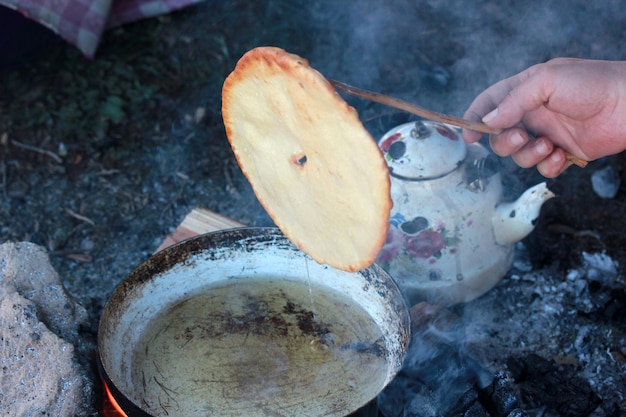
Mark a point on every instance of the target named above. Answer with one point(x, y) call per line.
point(313, 166)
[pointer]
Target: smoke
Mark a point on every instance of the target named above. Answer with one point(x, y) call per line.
point(438, 375)
point(441, 53)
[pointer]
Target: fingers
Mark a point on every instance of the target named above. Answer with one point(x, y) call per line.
point(485, 103)
point(553, 165)
point(533, 153)
point(527, 152)
point(471, 136)
point(509, 142)
point(525, 92)
point(505, 103)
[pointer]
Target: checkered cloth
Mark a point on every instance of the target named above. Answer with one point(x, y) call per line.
point(82, 22)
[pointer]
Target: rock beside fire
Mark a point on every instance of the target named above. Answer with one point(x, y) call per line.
point(38, 324)
point(25, 268)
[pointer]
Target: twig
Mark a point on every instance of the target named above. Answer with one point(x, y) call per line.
point(73, 254)
point(414, 109)
point(106, 172)
point(46, 152)
point(575, 160)
point(430, 114)
point(176, 197)
point(80, 217)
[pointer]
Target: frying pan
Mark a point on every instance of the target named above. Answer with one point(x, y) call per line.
point(241, 322)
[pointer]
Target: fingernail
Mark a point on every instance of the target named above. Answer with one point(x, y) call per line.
point(556, 157)
point(541, 147)
point(490, 116)
point(517, 139)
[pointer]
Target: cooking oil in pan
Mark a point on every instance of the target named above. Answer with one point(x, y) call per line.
point(257, 347)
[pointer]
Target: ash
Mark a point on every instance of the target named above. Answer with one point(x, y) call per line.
point(540, 344)
point(567, 322)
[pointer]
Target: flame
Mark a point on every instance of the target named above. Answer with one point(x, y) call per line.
point(110, 407)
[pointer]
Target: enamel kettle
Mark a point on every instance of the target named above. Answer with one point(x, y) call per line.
point(450, 237)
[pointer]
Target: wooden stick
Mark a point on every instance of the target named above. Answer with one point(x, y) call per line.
point(579, 162)
point(430, 114)
point(414, 109)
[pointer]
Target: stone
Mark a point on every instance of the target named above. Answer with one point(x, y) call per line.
point(26, 269)
point(606, 182)
point(39, 321)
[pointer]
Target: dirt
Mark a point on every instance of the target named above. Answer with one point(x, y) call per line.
point(100, 160)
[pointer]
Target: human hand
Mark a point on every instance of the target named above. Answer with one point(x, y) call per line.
point(568, 104)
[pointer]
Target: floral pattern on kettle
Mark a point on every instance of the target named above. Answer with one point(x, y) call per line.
point(416, 238)
point(394, 148)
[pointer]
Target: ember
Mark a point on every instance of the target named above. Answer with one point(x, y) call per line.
point(110, 407)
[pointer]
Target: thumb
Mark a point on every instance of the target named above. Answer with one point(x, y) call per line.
point(527, 95)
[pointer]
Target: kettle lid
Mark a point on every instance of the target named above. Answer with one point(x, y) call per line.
point(423, 150)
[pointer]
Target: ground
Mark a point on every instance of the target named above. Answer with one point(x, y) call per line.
point(100, 159)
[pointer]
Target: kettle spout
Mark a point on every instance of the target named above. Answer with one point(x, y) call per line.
point(514, 221)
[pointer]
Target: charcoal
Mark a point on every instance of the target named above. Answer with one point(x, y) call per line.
point(476, 410)
point(542, 383)
point(615, 308)
point(518, 413)
point(466, 402)
point(542, 412)
point(500, 397)
point(444, 384)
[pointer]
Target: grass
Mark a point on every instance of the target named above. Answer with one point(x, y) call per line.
point(110, 138)
point(141, 71)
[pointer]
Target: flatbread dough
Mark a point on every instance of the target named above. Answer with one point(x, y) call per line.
point(312, 165)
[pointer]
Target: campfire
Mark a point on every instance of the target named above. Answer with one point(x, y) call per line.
point(454, 365)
